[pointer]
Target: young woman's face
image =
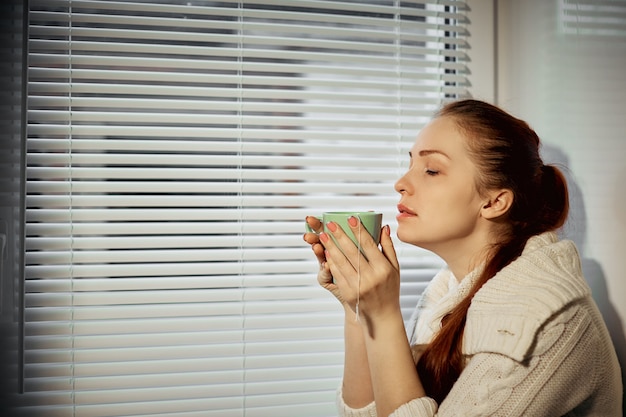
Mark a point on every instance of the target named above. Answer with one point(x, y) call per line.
point(439, 207)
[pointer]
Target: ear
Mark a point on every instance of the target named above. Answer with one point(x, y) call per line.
point(498, 204)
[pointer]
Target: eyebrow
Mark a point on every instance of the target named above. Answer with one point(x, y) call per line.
point(426, 152)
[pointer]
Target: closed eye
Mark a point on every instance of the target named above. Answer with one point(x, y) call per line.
point(431, 172)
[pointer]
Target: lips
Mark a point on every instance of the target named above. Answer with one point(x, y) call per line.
point(404, 211)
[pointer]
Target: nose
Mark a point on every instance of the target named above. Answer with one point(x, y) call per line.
point(401, 184)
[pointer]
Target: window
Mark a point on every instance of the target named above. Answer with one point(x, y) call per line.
point(174, 148)
point(598, 19)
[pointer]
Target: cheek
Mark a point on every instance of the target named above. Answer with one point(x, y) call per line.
point(464, 213)
point(450, 212)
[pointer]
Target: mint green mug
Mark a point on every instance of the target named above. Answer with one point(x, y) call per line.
point(371, 223)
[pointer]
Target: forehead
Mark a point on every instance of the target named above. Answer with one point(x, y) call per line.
point(441, 134)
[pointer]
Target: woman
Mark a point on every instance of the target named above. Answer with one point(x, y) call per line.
point(509, 327)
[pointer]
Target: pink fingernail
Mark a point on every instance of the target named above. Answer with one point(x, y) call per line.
point(332, 226)
point(352, 221)
point(323, 237)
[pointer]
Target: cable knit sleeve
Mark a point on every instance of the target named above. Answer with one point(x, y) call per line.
point(346, 411)
point(419, 407)
point(570, 366)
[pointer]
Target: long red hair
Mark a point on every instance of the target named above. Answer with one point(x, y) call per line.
point(506, 152)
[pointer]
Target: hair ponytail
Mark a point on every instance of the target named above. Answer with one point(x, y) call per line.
point(554, 198)
point(506, 152)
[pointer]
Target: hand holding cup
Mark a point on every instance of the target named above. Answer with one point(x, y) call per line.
point(370, 220)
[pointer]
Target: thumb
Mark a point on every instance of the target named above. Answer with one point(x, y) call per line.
point(387, 246)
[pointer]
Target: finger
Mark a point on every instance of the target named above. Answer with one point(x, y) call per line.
point(345, 253)
point(335, 269)
point(315, 224)
point(344, 287)
point(311, 238)
point(387, 246)
point(343, 270)
point(325, 277)
point(319, 252)
point(368, 246)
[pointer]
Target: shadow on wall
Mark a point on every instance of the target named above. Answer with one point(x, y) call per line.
point(576, 229)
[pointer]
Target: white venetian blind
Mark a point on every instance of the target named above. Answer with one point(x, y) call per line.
point(601, 18)
point(174, 148)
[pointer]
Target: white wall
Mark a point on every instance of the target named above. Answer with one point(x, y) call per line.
point(572, 89)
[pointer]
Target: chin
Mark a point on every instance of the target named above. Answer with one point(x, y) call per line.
point(407, 237)
point(404, 235)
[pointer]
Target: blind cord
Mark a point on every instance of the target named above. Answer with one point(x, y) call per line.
point(358, 273)
point(240, 191)
point(71, 216)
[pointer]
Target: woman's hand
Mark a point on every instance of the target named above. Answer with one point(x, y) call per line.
point(324, 276)
point(357, 380)
point(370, 277)
point(378, 354)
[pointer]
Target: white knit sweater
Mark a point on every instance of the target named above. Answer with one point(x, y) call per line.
point(535, 342)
